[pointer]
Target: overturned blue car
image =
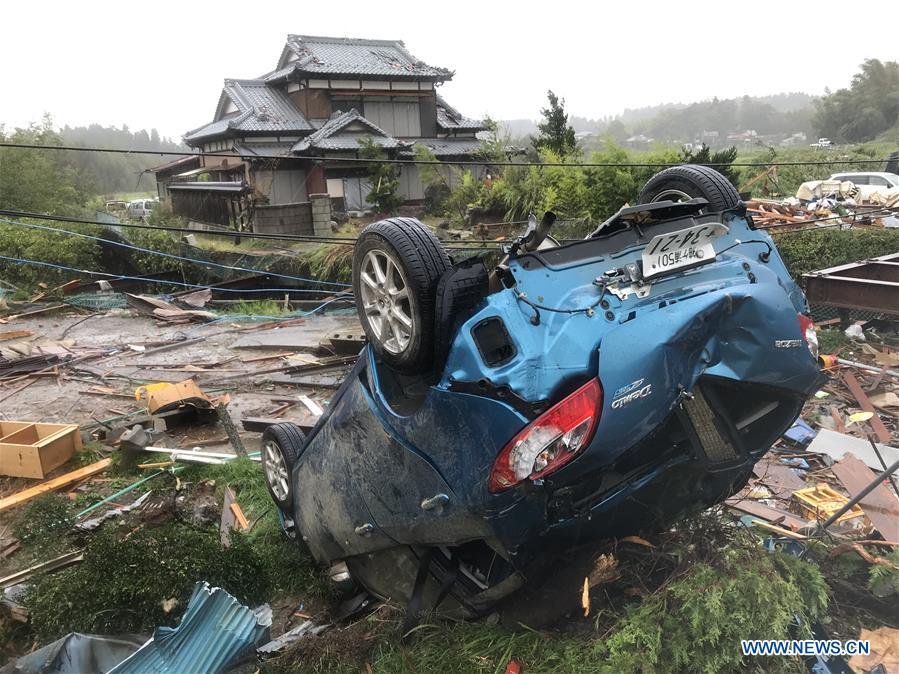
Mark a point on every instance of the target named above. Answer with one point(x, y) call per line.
point(568, 394)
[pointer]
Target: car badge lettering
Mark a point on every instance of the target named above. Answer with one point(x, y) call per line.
point(627, 394)
point(787, 343)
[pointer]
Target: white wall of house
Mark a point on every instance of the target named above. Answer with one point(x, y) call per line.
point(281, 186)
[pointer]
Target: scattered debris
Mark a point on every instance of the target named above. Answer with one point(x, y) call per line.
point(880, 505)
point(78, 653)
point(34, 449)
point(884, 651)
point(836, 445)
point(26, 495)
point(166, 311)
point(215, 631)
point(56, 564)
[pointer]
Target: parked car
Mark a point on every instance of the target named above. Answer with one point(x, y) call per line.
point(823, 142)
point(574, 393)
point(869, 183)
point(140, 209)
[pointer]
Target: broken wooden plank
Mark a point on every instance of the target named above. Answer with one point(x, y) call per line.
point(880, 505)
point(239, 516)
point(229, 519)
point(15, 334)
point(52, 565)
point(781, 479)
point(311, 405)
point(26, 495)
point(767, 512)
point(272, 356)
point(876, 423)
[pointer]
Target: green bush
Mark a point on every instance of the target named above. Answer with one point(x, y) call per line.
point(692, 624)
point(808, 251)
point(56, 248)
point(128, 575)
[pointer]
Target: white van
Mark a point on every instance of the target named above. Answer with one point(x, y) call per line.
point(139, 209)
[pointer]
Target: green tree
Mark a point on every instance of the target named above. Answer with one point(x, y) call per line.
point(555, 133)
point(385, 178)
point(720, 161)
point(869, 107)
point(40, 180)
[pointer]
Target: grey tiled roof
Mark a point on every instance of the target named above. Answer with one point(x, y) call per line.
point(211, 129)
point(448, 147)
point(449, 118)
point(331, 136)
point(350, 56)
point(260, 108)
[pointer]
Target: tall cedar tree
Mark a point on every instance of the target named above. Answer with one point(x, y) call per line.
point(555, 133)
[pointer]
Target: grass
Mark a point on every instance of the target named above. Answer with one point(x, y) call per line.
point(257, 308)
point(132, 569)
point(716, 587)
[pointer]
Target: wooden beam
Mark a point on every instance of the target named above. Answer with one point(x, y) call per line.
point(26, 495)
point(880, 505)
point(876, 423)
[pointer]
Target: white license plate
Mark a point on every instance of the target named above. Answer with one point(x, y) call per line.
point(683, 248)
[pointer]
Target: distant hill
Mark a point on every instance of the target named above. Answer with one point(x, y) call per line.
point(109, 173)
point(773, 117)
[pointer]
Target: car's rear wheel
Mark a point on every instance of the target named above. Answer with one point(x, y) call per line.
point(682, 183)
point(281, 446)
point(396, 267)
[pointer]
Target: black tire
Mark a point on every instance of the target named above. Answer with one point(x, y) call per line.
point(420, 257)
point(288, 440)
point(693, 181)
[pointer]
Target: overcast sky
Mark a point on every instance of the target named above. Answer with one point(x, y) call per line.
point(162, 64)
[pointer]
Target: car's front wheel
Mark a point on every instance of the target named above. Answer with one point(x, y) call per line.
point(281, 446)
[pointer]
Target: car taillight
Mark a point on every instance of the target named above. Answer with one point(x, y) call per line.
point(550, 441)
point(807, 328)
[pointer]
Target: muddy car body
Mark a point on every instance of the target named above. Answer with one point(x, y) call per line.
point(575, 394)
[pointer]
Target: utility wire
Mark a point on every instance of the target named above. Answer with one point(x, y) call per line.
point(436, 162)
point(349, 241)
point(175, 257)
point(161, 282)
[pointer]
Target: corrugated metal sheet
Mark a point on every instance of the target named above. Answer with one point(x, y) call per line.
point(215, 631)
point(351, 56)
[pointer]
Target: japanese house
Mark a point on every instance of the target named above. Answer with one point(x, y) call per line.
point(285, 140)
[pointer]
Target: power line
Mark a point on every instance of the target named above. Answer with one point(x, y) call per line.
point(438, 162)
point(160, 282)
point(176, 257)
point(349, 241)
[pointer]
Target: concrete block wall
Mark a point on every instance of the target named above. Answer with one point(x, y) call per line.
point(321, 214)
point(285, 219)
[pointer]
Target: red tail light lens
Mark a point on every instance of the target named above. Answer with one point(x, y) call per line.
point(550, 441)
point(807, 328)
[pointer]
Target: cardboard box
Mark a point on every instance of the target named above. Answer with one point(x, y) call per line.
point(33, 450)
